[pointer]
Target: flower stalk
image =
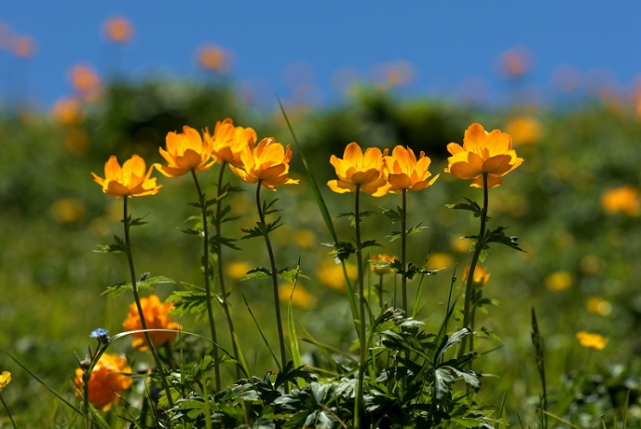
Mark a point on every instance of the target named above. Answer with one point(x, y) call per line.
point(404, 250)
point(358, 404)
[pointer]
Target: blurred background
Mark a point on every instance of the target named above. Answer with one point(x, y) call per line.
point(82, 81)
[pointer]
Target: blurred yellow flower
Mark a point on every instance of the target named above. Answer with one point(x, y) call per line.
point(213, 58)
point(558, 281)
point(591, 341)
point(228, 141)
point(403, 171)
point(598, 305)
point(67, 210)
point(237, 269)
point(358, 169)
point(267, 163)
point(460, 245)
point(76, 140)
point(67, 111)
point(130, 180)
point(624, 199)
point(107, 381)
point(118, 30)
point(305, 238)
point(186, 151)
point(301, 298)
point(331, 274)
point(5, 378)
point(524, 130)
point(84, 79)
point(482, 153)
point(481, 276)
point(439, 260)
point(156, 317)
point(378, 269)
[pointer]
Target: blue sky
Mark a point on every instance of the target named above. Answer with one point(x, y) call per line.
point(452, 46)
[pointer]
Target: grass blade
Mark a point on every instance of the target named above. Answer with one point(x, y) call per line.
point(261, 333)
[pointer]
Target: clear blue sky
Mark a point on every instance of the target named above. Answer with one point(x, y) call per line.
point(450, 44)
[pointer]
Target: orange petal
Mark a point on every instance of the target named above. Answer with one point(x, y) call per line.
point(353, 153)
point(474, 138)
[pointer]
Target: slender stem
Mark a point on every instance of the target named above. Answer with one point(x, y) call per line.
point(210, 310)
point(404, 250)
point(359, 412)
point(475, 258)
point(134, 283)
point(380, 290)
point(221, 277)
point(4, 404)
point(274, 273)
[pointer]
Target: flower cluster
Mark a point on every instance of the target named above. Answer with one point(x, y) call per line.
point(109, 378)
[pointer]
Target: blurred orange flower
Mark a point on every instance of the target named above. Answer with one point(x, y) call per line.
point(185, 152)
point(213, 58)
point(403, 171)
point(332, 274)
point(624, 199)
point(524, 130)
point(301, 297)
point(358, 169)
point(118, 30)
point(228, 141)
point(591, 341)
point(558, 281)
point(515, 62)
point(380, 269)
point(156, 317)
point(107, 381)
point(84, 79)
point(482, 153)
point(267, 163)
point(481, 276)
point(130, 180)
point(67, 111)
point(24, 47)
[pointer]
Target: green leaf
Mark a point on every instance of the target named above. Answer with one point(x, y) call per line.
point(261, 229)
point(342, 250)
point(449, 341)
point(370, 243)
point(117, 247)
point(498, 236)
point(395, 215)
point(470, 206)
point(193, 300)
point(442, 381)
point(291, 274)
point(216, 241)
point(258, 273)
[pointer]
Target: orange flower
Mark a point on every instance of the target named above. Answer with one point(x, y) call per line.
point(591, 341)
point(118, 30)
point(358, 169)
point(267, 163)
point(67, 111)
point(24, 47)
point(107, 381)
point(621, 200)
point(84, 79)
point(185, 152)
point(213, 58)
point(130, 180)
point(481, 276)
point(403, 171)
point(301, 297)
point(156, 317)
point(524, 129)
point(482, 153)
point(381, 270)
point(228, 141)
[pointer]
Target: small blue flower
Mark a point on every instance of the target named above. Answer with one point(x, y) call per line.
point(100, 334)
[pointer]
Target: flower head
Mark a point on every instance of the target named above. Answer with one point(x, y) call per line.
point(591, 341)
point(118, 30)
point(558, 281)
point(403, 171)
point(156, 317)
point(481, 276)
point(621, 200)
point(267, 163)
point(358, 169)
point(84, 79)
point(128, 181)
point(482, 154)
point(101, 335)
point(186, 151)
point(107, 381)
point(5, 378)
point(382, 269)
point(213, 58)
point(299, 296)
point(228, 141)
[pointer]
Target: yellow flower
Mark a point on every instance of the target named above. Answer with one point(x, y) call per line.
point(118, 30)
point(237, 269)
point(84, 79)
point(156, 317)
point(481, 276)
point(301, 297)
point(380, 269)
point(67, 111)
point(482, 153)
point(228, 141)
point(267, 163)
point(332, 274)
point(591, 341)
point(358, 169)
point(439, 260)
point(128, 181)
point(5, 378)
point(67, 210)
point(107, 381)
point(621, 200)
point(185, 152)
point(403, 171)
point(524, 130)
point(598, 305)
point(558, 280)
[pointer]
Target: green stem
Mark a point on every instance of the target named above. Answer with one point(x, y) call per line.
point(404, 250)
point(274, 273)
point(359, 412)
point(210, 310)
point(475, 258)
point(134, 283)
point(380, 290)
point(221, 277)
point(4, 404)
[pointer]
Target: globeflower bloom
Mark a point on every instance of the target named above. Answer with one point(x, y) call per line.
point(5, 378)
point(267, 163)
point(403, 171)
point(482, 154)
point(591, 341)
point(157, 317)
point(359, 170)
point(128, 181)
point(228, 141)
point(118, 30)
point(481, 276)
point(186, 151)
point(107, 381)
point(621, 200)
point(378, 269)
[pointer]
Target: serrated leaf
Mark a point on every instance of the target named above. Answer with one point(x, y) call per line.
point(370, 243)
point(290, 274)
point(395, 215)
point(442, 381)
point(258, 273)
point(498, 236)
